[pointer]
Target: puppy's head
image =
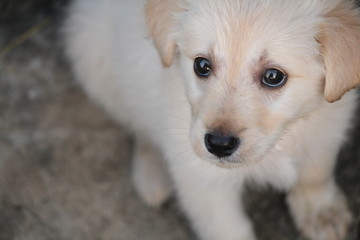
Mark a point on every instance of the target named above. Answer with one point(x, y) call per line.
point(251, 68)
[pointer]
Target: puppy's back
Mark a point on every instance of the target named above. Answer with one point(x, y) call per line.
point(106, 42)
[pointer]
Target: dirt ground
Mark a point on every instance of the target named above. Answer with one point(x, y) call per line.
point(64, 164)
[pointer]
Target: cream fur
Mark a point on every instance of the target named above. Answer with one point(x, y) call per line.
point(290, 136)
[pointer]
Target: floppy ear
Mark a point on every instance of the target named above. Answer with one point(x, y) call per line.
point(160, 21)
point(340, 41)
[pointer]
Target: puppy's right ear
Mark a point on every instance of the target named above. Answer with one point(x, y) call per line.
point(161, 21)
point(340, 40)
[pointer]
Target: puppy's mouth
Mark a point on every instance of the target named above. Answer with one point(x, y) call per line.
point(228, 146)
point(231, 162)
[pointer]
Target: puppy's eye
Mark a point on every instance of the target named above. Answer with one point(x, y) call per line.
point(274, 78)
point(202, 67)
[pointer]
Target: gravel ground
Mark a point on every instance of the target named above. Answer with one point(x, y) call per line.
point(64, 164)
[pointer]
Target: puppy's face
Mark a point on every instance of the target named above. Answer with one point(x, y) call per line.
point(251, 68)
point(249, 73)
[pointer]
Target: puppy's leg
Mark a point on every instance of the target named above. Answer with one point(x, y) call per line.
point(149, 174)
point(316, 203)
point(213, 205)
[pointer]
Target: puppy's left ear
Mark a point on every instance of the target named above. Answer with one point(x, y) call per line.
point(161, 23)
point(340, 40)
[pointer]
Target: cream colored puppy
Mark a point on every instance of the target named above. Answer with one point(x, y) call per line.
point(243, 90)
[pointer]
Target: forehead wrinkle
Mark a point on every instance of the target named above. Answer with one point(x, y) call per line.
point(235, 58)
point(236, 38)
point(235, 52)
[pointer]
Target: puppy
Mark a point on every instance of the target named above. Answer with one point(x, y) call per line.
point(222, 92)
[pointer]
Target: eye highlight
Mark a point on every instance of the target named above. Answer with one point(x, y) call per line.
point(202, 67)
point(274, 78)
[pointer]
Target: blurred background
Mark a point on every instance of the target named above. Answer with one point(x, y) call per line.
point(64, 164)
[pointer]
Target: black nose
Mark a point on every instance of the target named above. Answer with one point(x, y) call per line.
point(221, 145)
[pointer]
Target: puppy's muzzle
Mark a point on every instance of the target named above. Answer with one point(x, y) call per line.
point(220, 144)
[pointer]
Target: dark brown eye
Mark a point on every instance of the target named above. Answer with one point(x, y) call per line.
point(202, 67)
point(274, 78)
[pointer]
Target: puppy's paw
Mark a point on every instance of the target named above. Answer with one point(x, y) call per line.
point(320, 214)
point(150, 177)
point(330, 223)
point(151, 185)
